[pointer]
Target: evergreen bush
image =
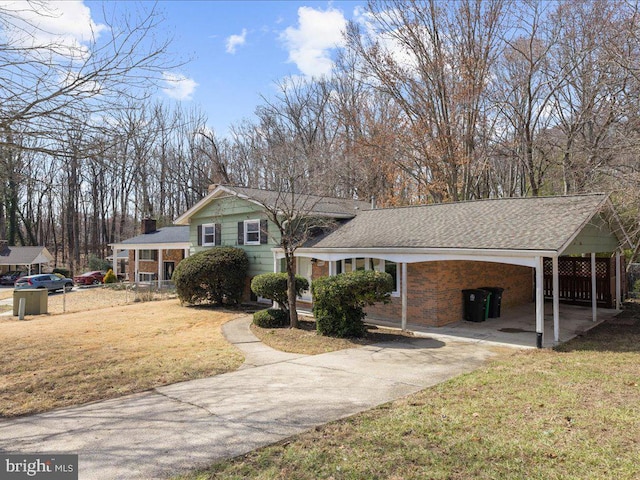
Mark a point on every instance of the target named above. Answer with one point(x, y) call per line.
point(110, 277)
point(97, 263)
point(271, 318)
point(215, 275)
point(274, 287)
point(339, 301)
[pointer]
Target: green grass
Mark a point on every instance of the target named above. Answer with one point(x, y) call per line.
point(565, 414)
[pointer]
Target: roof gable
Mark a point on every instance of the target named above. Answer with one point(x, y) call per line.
point(531, 223)
point(314, 204)
point(24, 255)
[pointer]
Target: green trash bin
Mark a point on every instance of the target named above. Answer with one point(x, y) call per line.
point(495, 301)
point(36, 301)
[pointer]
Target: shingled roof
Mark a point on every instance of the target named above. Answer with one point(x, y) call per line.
point(308, 204)
point(10, 255)
point(330, 206)
point(177, 234)
point(533, 223)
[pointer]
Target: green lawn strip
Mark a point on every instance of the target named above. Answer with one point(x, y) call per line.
point(564, 414)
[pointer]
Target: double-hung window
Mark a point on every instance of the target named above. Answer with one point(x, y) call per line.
point(252, 232)
point(208, 234)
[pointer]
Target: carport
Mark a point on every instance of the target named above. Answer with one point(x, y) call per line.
point(30, 259)
point(512, 231)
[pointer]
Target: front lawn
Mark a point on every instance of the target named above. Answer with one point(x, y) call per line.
point(69, 359)
point(539, 414)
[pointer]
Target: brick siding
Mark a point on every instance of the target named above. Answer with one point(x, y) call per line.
point(434, 295)
point(151, 266)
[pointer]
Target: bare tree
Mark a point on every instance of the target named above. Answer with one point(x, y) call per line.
point(434, 59)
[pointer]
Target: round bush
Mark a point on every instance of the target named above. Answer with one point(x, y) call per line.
point(215, 275)
point(271, 318)
point(338, 301)
point(274, 287)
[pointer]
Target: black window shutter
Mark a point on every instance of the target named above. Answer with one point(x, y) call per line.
point(240, 233)
point(155, 255)
point(264, 225)
point(218, 234)
point(199, 234)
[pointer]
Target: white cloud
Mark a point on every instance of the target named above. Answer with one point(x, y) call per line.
point(178, 86)
point(311, 42)
point(67, 26)
point(235, 41)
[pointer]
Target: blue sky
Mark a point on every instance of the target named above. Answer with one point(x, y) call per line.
point(238, 49)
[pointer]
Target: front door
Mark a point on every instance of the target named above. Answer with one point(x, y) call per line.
point(169, 267)
point(305, 268)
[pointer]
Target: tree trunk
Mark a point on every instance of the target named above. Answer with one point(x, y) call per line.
point(291, 289)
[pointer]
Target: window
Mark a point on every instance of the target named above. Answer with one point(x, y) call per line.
point(148, 255)
point(392, 269)
point(252, 232)
point(147, 277)
point(209, 234)
point(354, 264)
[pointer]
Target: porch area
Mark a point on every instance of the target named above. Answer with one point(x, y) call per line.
point(516, 327)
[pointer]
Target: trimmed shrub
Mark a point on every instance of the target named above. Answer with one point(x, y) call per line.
point(215, 275)
point(110, 277)
point(274, 287)
point(338, 301)
point(62, 271)
point(271, 318)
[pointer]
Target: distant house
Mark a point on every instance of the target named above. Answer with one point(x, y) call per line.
point(154, 254)
point(27, 259)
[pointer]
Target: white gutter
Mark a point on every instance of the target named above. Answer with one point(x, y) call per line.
point(525, 258)
point(150, 246)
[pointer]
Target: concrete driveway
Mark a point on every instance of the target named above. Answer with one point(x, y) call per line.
point(275, 395)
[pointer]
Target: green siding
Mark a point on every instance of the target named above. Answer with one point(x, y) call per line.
point(228, 211)
point(596, 237)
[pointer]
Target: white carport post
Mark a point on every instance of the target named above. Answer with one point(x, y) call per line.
point(115, 261)
point(556, 301)
point(618, 281)
point(136, 263)
point(594, 300)
point(276, 269)
point(403, 287)
point(160, 270)
point(539, 301)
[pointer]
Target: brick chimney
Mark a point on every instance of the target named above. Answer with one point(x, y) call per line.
point(148, 225)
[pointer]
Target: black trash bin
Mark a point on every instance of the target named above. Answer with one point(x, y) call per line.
point(494, 301)
point(475, 304)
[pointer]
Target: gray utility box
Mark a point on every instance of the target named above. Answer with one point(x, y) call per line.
point(36, 301)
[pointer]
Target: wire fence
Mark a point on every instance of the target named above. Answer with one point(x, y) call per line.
point(147, 291)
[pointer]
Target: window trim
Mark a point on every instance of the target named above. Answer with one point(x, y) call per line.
point(204, 234)
point(246, 232)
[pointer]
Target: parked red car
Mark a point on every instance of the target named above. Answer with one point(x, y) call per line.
point(89, 278)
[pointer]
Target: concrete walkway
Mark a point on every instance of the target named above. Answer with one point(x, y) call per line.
point(275, 395)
